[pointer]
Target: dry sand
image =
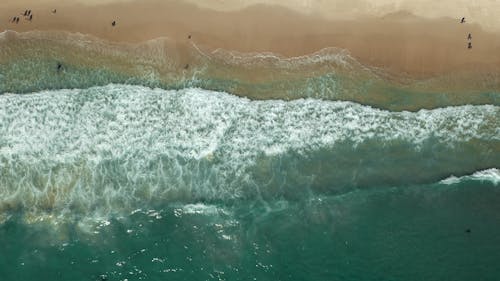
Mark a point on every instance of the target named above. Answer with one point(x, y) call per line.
point(483, 12)
point(398, 41)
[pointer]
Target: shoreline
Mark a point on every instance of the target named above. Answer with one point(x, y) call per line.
point(397, 62)
point(28, 64)
point(400, 43)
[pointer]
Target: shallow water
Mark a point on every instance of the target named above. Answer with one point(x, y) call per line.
point(28, 63)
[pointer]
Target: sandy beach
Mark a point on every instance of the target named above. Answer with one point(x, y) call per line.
point(398, 41)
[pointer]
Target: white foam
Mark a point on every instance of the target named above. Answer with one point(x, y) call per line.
point(450, 180)
point(492, 175)
point(199, 209)
point(113, 148)
point(330, 55)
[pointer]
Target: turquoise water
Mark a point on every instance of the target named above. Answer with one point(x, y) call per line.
point(122, 182)
point(400, 233)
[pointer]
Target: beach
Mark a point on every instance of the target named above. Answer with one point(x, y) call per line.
point(420, 53)
point(260, 51)
point(249, 140)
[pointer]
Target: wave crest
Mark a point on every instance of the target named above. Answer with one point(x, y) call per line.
point(491, 175)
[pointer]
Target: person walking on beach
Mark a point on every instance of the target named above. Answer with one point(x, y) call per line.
point(469, 37)
point(469, 46)
point(462, 20)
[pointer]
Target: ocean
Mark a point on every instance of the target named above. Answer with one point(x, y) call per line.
point(103, 177)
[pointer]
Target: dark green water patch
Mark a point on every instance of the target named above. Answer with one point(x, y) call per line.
point(432, 232)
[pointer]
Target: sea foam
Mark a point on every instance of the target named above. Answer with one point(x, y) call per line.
point(119, 147)
point(491, 175)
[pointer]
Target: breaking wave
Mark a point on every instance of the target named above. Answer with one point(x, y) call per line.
point(119, 147)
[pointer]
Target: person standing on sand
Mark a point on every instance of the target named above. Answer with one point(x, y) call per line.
point(462, 20)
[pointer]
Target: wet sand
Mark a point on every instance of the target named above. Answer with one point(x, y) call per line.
point(400, 43)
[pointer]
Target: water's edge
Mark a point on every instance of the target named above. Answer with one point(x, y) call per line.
point(29, 63)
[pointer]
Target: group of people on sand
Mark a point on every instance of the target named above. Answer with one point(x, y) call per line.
point(27, 15)
point(469, 36)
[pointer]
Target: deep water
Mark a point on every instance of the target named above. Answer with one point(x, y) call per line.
point(428, 232)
